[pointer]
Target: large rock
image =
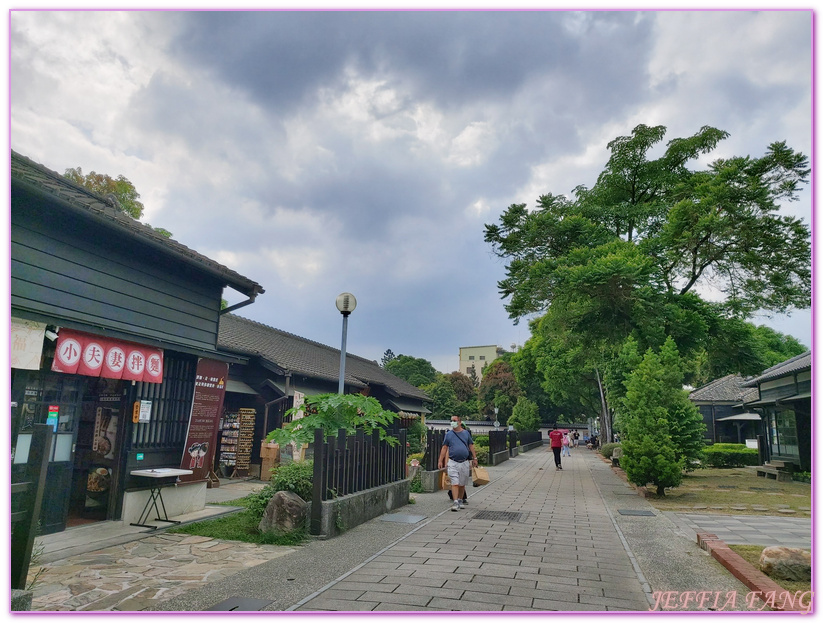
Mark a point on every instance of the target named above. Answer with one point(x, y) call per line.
point(285, 512)
point(787, 563)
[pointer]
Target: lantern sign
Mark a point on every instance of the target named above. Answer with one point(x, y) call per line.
point(91, 355)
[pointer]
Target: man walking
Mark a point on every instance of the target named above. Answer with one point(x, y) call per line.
point(556, 442)
point(458, 456)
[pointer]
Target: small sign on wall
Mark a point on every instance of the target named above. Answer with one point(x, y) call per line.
point(145, 411)
point(53, 417)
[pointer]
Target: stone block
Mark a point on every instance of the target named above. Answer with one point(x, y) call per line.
point(285, 512)
point(20, 600)
point(787, 563)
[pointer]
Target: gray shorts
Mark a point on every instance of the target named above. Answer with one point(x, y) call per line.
point(459, 472)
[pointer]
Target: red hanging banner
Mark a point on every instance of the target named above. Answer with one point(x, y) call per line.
point(92, 355)
point(69, 351)
point(114, 363)
point(135, 363)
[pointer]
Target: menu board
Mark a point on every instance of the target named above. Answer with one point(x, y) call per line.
point(244, 442)
point(207, 404)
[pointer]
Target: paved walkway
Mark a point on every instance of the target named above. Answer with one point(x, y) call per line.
point(533, 539)
point(749, 529)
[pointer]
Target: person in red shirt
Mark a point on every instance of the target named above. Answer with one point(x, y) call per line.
point(556, 442)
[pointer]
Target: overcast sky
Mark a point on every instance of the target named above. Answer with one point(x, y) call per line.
point(324, 152)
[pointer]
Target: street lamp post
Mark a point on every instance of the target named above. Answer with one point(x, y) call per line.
point(345, 305)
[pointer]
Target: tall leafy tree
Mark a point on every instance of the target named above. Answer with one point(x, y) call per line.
point(657, 227)
point(498, 380)
point(525, 415)
point(414, 370)
point(444, 402)
point(463, 386)
point(387, 357)
point(123, 190)
point(663, 430)
point(626, 257)
point(125, 195)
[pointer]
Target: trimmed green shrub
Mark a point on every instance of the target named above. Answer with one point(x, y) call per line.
point(481, 440)
point(729, 455)
point(607, 448)
point(802, 477)
point(418, 455)
point(482, 455)
point(296, 477)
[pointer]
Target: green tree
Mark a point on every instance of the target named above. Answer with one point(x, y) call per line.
point(387, 357)
point(655, 226)
point(126, 197)
point(525, 415)
point(663, 431)
point(413, 370)
point(685, 422)
point(444, 402)
point(463, 386)
point(625, 257)
point(776, 347)
point(648, 448)
point(332, 412)
point(498, 380)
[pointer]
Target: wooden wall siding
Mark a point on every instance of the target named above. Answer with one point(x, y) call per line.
point(72, 269)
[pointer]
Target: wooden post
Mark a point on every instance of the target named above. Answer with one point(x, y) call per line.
point(317, 490)
point(25, 528)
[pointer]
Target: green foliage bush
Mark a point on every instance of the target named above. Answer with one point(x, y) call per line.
point(416, 436)
point(258, 501)
point(802, 476)
point(482, 455)
point(481, 440)
point(730, 455)
point(296, 477)
point(417, 455)
point(416, 484)
point(607, 448)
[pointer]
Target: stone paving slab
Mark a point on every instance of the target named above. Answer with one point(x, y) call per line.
point(132, 576)
point(533, 564)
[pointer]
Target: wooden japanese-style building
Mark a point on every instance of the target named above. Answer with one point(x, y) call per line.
point(92, 286)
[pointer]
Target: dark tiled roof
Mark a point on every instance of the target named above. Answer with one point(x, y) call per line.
point(798, 363)
point(91, 204)
point(726, 389)
point(306, 357)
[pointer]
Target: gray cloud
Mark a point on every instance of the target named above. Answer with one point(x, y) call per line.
point(318, 152)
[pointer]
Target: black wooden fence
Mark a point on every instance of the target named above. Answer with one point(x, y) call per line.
point(350, 463)
point(528, 437)
point(434, 441)
point(497, 441)
point(26, 500)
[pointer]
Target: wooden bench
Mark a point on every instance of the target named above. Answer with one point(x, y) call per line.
point(616, 454)
point(769, 471)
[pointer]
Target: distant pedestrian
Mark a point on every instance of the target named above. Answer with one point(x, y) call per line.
point(556, 442)
point(576, 437)
point(457, 456)
point(566, 442)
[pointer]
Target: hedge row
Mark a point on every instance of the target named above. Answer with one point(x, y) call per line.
point(730, 455)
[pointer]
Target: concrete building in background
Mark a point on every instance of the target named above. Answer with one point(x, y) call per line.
point(477, 357)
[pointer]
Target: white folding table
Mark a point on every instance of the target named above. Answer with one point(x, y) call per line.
point(159, 478)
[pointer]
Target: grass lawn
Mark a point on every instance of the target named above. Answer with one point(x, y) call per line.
point(239, 526)
point(736, 491)
point(751, 554)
